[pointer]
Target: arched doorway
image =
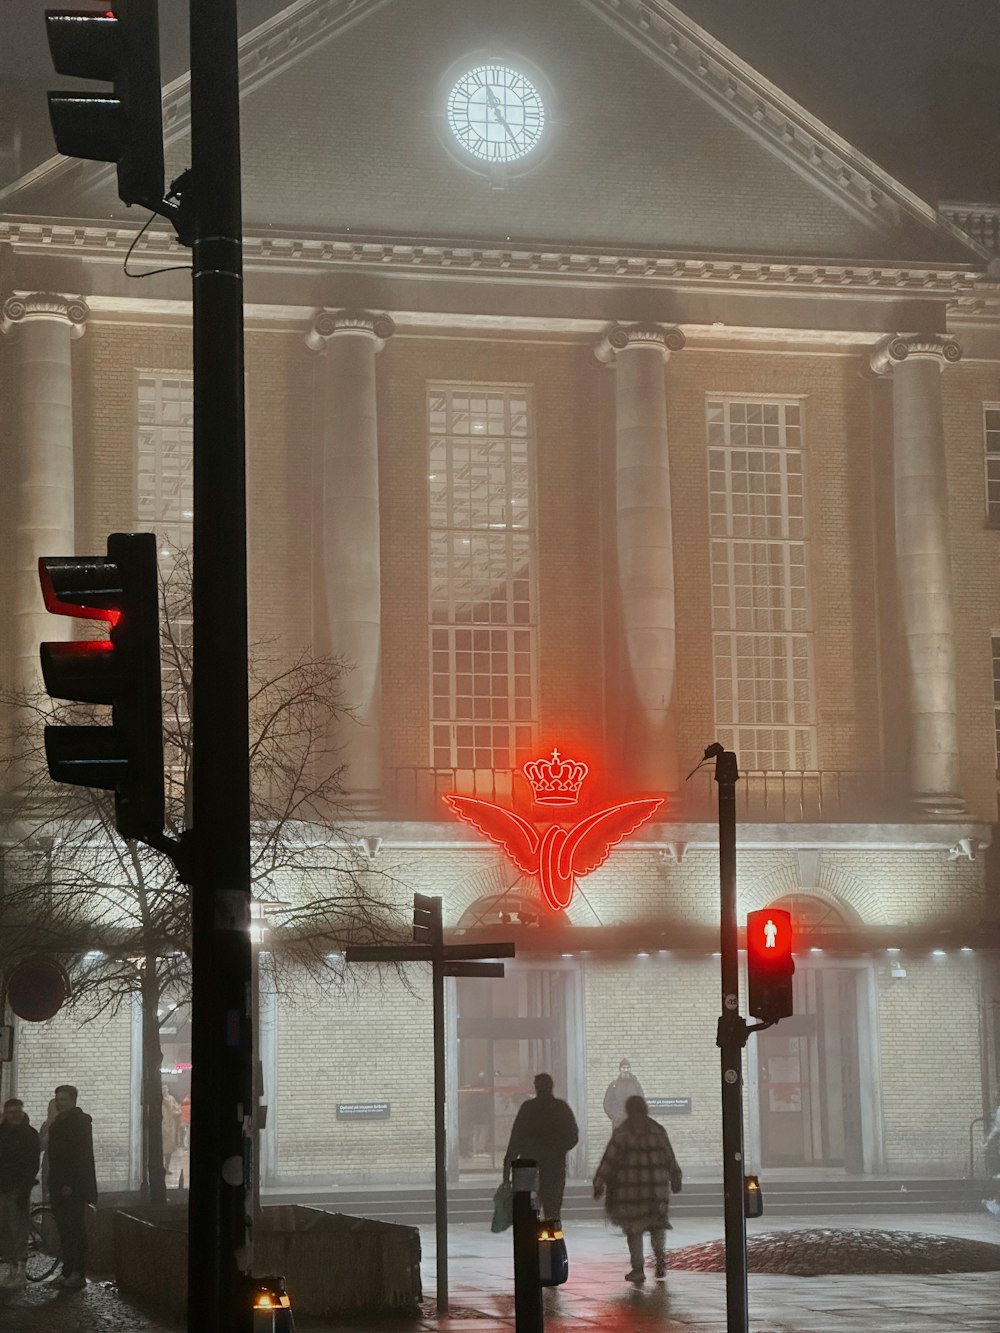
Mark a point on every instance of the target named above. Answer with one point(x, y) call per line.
point(812, 1084)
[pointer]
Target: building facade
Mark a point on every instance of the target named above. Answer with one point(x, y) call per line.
point(600, 400)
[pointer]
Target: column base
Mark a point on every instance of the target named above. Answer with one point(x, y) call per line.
point(941, 805)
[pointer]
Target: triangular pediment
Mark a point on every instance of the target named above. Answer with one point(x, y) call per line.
point(658, 139)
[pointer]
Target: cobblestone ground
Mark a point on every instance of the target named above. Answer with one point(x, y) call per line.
point(43, 1308)
point(825, 1250)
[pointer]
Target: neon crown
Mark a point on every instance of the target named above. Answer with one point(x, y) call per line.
point(555, 781)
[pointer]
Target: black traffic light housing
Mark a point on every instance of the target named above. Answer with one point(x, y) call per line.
point(122, 670)
point(427, 921)
point(770, 965)
point(117, 44)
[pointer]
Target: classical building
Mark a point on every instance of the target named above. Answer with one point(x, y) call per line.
point(602, 400)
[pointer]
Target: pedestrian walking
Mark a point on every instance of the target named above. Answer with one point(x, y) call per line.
point(626, 1085)
point(72, 1183)
point(637, 1175)
point(19, 1154)
point(545, 1129)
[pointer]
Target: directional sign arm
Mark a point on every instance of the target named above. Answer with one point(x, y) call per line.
point(478, 951)
point(473, 969)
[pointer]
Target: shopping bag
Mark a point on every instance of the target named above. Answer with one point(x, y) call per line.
point(503, 1207)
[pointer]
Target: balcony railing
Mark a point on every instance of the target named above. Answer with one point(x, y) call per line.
point(761, 797)
point(980, 221)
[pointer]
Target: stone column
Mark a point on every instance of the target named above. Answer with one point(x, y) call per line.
point(639, 353)
point(44, 325)
point(348, 596)
point(923, 562)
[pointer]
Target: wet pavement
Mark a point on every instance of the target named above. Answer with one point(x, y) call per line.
point(598, 1297)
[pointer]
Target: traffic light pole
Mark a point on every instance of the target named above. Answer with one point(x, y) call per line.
point(440, 1133)
point(219, 1235)
point(731, 1039)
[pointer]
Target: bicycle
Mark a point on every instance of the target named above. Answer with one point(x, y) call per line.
point(43, 1244)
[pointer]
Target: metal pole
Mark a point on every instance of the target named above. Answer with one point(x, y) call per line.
point(529, 1316)
point(221, 1098)
point(731, 1040)
point(440, 1135)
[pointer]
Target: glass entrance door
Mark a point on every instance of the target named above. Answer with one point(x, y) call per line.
point(808, 1075)
point(508, 1031)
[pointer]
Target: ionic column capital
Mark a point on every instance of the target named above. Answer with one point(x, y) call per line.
point(328, 324)
point(45, 305)
point(898, 347)
point(666, 338)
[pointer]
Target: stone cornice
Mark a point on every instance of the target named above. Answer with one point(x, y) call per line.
point(108, 243)
point(773, 118)
point(900, 346)
point(329, 324)
point(19, 308)
point(672, 39)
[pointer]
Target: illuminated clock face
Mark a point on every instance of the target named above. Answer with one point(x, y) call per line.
point(496, 114)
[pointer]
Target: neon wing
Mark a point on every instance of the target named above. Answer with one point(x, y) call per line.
point(508, 830)
point(590, 842)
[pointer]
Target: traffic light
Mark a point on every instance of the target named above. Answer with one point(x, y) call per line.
point(118, 44)
point(122, 670)
point(770, 964)
point(427, 926)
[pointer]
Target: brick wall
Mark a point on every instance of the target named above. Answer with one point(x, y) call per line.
point(96, 1057)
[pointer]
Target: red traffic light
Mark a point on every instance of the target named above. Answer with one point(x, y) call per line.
point(770, 965)
point(769, 938)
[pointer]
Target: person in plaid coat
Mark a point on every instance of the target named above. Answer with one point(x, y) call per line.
point(637, 1175)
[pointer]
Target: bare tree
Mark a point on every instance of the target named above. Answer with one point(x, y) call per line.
point(115, 912)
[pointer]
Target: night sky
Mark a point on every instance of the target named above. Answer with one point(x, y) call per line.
point(913, 83)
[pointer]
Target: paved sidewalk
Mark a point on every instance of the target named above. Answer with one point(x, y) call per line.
point(597, 1296)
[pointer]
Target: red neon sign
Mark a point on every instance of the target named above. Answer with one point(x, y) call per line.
point(557, 856)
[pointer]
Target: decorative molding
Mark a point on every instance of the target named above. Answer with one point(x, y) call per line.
point(665, 338)
point(44, 305)
point(900, 346)
point(673, 40)
point(770, 115)
point(108, 243)
point(328, 324)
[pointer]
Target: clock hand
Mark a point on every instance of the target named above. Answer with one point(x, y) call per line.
point(494, 102)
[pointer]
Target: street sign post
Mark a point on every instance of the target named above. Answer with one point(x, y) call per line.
point(446, 960)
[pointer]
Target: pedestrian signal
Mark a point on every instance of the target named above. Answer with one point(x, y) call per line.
point(770, 964)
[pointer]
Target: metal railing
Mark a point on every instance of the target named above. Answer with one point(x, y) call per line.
point(982, 223)
point(761, 797)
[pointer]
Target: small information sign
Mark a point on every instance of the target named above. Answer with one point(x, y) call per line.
point(362, 1110)
point(669, 1105)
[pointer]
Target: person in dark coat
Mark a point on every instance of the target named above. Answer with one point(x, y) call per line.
point(636, 1176)
point(545, 1129)
point(72, 1183)
point(626, 1085)
point(19, 1154)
